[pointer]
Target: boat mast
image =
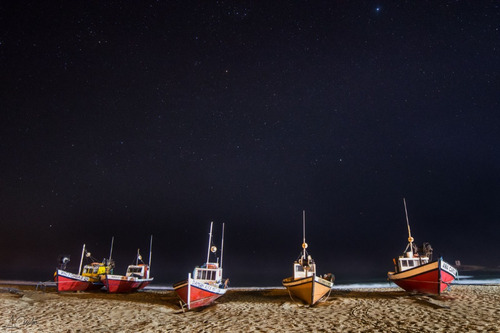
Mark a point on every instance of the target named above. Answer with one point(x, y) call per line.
point(222, 246)
point(150, 252)
point(209, 242)
point(410, 239)
point(81, 260)
point(111, 250)
point(304, 244)
point(137, 258)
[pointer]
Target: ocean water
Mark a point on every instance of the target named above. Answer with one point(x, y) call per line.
point(477, 280)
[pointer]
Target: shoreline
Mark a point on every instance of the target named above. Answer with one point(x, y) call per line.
point(464, 308)
point(348, 285)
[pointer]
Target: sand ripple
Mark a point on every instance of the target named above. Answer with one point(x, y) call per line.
point(464, 309)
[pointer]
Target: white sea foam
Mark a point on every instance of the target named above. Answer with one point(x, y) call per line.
point(471, 280)
point(364, 285)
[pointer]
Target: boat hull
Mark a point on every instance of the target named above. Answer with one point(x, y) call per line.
point(432, 278)
point(124, 284)
point(197, 294)
point(66, 281)
point(310, 289)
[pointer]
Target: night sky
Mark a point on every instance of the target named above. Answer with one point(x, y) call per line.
point(134, 118)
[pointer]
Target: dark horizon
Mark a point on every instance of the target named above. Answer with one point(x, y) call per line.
point(131, 120)
point(264, 269)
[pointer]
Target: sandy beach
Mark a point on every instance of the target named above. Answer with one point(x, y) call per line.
point(464, 309)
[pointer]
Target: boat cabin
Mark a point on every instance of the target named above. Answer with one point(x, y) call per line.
point(210, 273)
point(96, 269)
point(139, 271)
point(410, 260)
point(304, 267)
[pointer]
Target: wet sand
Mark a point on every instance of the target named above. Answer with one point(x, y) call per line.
point(464, 309)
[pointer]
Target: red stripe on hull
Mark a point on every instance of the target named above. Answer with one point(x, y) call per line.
point(433, 281)
point(424, 283)
point(143, 285)
point(69, 284)
point(199, 297)
point(124, 285)
point(446, 279)
point(119, 286)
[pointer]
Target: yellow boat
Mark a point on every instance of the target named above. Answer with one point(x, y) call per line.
point(96, 271)
point(305, 284)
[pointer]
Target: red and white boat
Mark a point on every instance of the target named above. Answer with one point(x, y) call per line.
point(87, 279)
point(416, 272)
point(66, 281)
point(136, 277)
point(205, 285)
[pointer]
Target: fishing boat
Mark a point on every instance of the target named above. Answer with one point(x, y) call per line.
point(205, 284)
point(305, 284)
point(414, 271)
point(136, 278)
point(66, 281)
point(95, 271)
point(87, 279)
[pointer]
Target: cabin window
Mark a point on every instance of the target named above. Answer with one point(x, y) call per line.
point(411, 263)
point(404, 263)
point(206, 274)
point(299, 268)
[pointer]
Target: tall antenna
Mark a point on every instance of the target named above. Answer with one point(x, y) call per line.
point(81, 260)
point(209, 242)
point(222, 246)
point(111, 250)
point(150, 251)
point(304, 244)
point(410, 239)
point(303, 226)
